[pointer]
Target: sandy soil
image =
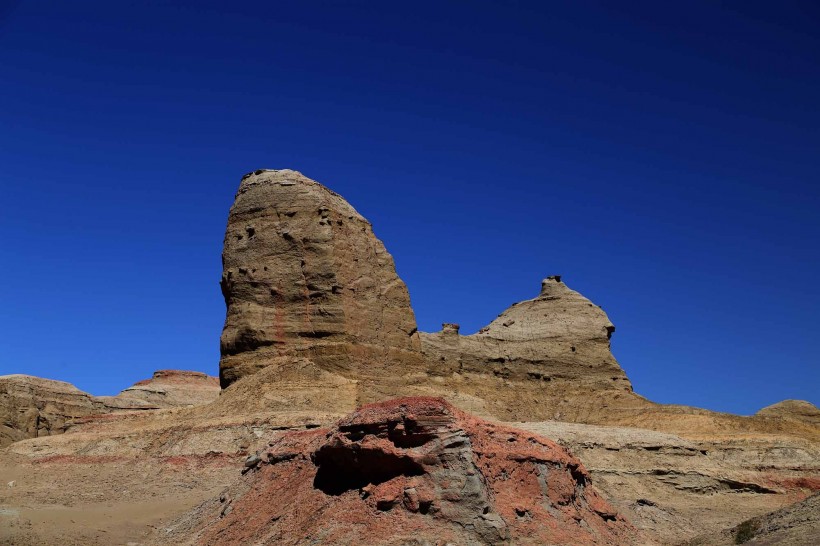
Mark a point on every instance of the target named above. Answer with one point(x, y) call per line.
point(102, 502)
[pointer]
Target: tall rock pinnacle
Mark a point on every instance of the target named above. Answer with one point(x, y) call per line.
point(303, 274)
point(313, 296)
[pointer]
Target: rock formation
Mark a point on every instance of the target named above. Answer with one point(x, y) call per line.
point(409, 471)
point(31, 407)
point(318, 323)
point(304, 275)
point(674, 488)
point(558, 336)
point(167, 389)
point(541, 350)
point(794, 410)
point(795, 525)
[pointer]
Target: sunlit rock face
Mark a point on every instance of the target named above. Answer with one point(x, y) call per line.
point(558, 335)
point(547, 357)
point(32, 406)
point(303, 274)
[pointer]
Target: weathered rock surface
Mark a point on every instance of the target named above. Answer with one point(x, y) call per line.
point(319, 323)
point(408, 471)
point(167, 389)
point(794, 410)
point(795, 525)
point(669, 487)
point(673, 488)
point(558, 336)
point(304, 275)
point(32, 406)
point(551, 354)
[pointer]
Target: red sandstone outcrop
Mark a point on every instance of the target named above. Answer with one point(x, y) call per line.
point(409, 471)
point(304, 275)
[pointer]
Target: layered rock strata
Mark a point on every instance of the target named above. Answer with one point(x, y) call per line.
point(409, 471)
point(792, 410)
point(674, 489)
point(304, 275)
point(545, 359)
point(167, 389)
point(32, 406)
point(670, 487)
point(558, 336)
point(550, 349)
point(794, 525)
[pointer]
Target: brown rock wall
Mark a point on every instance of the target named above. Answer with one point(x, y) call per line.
point(304, 275)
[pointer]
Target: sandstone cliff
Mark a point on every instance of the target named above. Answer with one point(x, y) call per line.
point(32, 406)
point(304, 275)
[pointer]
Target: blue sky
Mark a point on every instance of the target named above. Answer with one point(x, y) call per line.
point(662, 157)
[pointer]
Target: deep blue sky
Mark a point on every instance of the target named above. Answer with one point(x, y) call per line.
point(664, 157)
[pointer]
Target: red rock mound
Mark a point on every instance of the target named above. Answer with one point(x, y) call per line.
point(413, 471)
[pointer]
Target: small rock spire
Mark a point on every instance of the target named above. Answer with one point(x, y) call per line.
point(552, 279)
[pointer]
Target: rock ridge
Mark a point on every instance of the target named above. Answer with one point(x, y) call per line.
point(31, 406)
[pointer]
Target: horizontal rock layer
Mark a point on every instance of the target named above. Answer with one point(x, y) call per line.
point(167, 389)
point(31, 407)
